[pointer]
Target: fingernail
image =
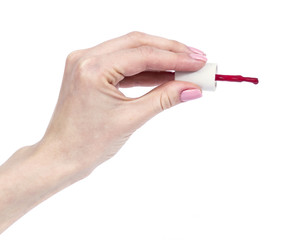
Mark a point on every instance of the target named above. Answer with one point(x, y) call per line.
point(195, 50)
point(198, 56)
point(190, 94)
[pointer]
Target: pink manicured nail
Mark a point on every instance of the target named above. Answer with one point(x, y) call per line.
point(190, 94)
point(195, 50)
point(198, 56)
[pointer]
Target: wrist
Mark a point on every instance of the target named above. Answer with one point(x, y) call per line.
point(37, 172)
point(30, 176)
point(55, 164)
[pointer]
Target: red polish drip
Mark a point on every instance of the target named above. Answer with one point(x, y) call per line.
point(236, 78)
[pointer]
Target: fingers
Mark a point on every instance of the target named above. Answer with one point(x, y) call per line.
point(147, 79)
point(133, 53)
point(133, 61)
point(138, 39)
point(161, 98)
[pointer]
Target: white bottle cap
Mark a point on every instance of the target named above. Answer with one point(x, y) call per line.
point(205, 77)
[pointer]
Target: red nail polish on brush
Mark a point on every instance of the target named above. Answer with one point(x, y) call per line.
point(207, 77)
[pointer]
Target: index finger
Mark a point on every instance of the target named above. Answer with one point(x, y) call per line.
point(133, 61)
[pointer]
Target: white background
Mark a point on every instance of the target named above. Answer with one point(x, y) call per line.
point(226, 166)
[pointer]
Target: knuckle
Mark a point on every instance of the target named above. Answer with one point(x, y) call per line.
point(177, 45)
point(136, 36)
point(146, 51)
point(74, 56)
point(165, 101)
point(83, 67)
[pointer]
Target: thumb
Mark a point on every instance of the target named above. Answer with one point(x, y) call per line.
point(165, 96)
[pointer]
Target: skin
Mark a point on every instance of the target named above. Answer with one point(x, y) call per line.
point(92, 118)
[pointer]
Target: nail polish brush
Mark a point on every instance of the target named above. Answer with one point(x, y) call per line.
point(207, 77)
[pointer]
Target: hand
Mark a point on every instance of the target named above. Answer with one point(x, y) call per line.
point(92, 118)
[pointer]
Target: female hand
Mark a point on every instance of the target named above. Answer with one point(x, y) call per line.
point(92, 118)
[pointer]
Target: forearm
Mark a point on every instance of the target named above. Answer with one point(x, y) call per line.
point(29, 177)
